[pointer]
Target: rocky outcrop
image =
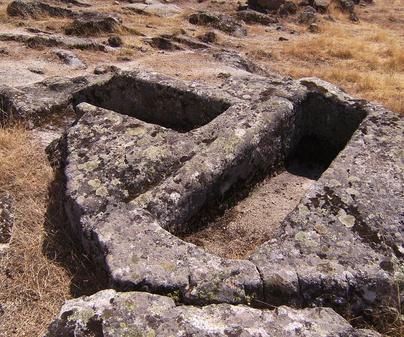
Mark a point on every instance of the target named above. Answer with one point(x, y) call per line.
point(156, 8)
point(32, 104)
point(263, 5)
point(345, 236)
point(250, 16)
point(221, 22)
point(112, 314)
point(150, 154)
point(36, 10)
point(94, 24)
point(41, 40)
point(198, 147)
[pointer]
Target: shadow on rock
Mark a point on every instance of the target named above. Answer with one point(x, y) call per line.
point(61, 245)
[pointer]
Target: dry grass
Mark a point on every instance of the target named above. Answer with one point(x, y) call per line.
point(366, 59)
point(41, 267)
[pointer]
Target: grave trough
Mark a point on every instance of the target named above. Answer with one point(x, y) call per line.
point(150, 154)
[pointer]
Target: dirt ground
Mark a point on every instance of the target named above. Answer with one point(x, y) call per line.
point(254, 219)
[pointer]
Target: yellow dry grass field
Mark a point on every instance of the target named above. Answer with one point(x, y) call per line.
point(366, 58)
point(41, 267)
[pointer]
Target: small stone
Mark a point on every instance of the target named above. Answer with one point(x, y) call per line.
point(36, 70)
point(115, 41)
point(346, 219)
point(308, 16)
point(313, 28)
point(103, 69)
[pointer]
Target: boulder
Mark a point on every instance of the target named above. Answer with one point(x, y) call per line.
point(112, 314)
point(251, 17)
point(70, 58)
point(36, 10)
point(221, 22)
point(307, 16)
point(94, 24)
point(321, 5)
point(263, 5)
point(289, 7)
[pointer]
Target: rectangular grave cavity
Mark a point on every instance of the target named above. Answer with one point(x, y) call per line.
point(233, 225)
point(153, 102)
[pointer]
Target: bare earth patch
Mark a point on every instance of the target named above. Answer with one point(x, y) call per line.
point(254, 219)
point(42, 267)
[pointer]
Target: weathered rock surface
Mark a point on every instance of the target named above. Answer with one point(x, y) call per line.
point(159, 9)
point(344, 243)
point(68, 57)
point(41, 40)
point(6, 220)
point(131, 184)
point(221, 22)
point(36, 10)
point(112, 314)
point(265, 4)
point(237, 61)
point(250, 16)
point(176, 42)
point(93, 24)
point(140, 174)
point(35, 103)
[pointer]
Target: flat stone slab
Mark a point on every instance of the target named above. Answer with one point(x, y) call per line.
point(159, 9)
point(44, 100)
point(112, 314)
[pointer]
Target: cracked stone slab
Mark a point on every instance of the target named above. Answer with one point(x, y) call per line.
point(113, 314)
